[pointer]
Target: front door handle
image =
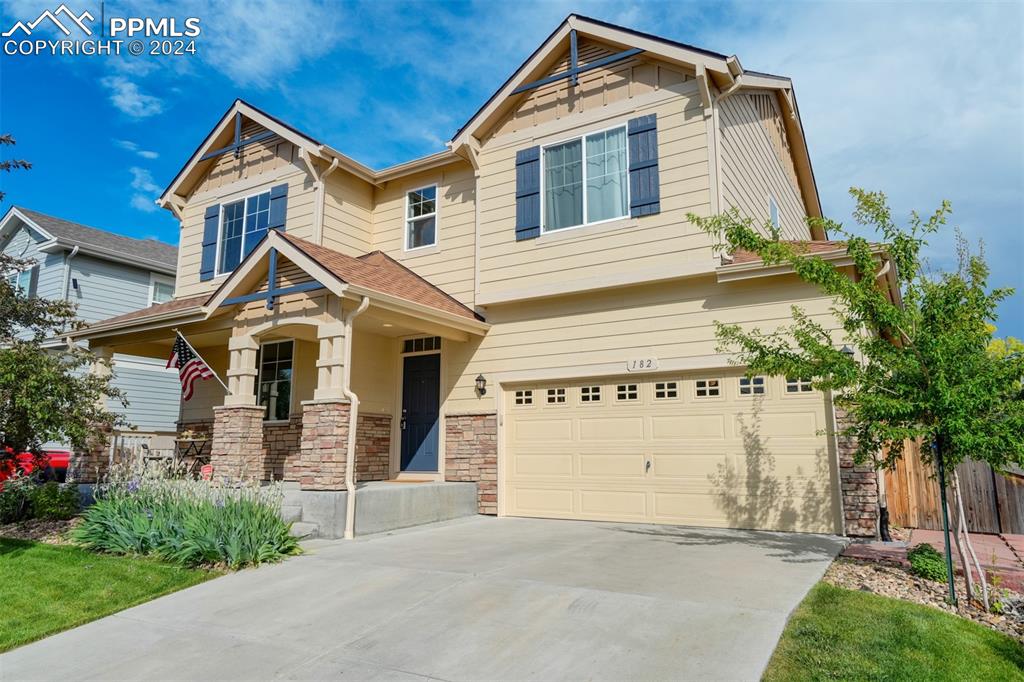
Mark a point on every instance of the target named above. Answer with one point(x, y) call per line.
point(402, 424)
point(647, 466)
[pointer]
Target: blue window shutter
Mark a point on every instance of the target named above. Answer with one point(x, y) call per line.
point(278, 207)
point(644, 191)
point(33, 282)
point(528, 193)
point(211, 220)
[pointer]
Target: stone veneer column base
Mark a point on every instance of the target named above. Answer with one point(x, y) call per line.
point(90, 464)
point(471, 454)
point(859, 488)
point(236, 450)
point(373, 447)
point(323, 445)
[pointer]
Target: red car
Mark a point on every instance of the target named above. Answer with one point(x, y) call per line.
point(53, 464)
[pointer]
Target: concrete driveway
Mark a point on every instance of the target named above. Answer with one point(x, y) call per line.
point(480, 598)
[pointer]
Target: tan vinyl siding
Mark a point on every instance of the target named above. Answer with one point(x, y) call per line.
point(633, 247)
point(449, 264)
point(299, 221)
point(348, 209)
point(256, 159)
point(752, 171)
point(586, 333)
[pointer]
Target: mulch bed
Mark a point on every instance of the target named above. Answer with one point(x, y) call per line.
point(39, 530)
point(897, 582)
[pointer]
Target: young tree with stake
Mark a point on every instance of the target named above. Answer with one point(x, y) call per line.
point(922, 370)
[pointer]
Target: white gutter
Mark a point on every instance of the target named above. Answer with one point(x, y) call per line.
point(353, 416)
point(67, 272)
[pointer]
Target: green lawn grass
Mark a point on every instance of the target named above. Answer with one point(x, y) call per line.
point(842, 634)
point(46, 588)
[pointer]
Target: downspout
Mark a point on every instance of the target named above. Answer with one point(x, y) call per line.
point(67, 272)
point(883, 500)
point(353, 416)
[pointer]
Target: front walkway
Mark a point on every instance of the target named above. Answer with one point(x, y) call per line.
point(480, 598)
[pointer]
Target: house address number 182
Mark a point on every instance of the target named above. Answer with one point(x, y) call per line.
point(642, 365)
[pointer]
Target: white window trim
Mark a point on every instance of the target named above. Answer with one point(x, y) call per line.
point(678, 389)
point(437, 218)
point(751, 386)
point(799, 382)
point(583, 139)
point(155, 278)
point(220, 230)
point(720, 386)
point(773, 213)
point(291, 393)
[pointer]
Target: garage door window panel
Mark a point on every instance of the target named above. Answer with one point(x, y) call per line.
point(590, 394)
point(751, 386)
point(798, 385)
point(666, 390)
point(524, 398)
point(707, 389)
point(627, 392)
point(556, 396)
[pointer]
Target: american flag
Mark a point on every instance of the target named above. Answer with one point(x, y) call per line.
point(190, 366)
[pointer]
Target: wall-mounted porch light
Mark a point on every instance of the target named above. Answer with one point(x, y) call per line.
point(847, 351)
point(481, 384)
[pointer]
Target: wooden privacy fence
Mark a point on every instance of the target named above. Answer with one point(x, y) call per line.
point(993, 503)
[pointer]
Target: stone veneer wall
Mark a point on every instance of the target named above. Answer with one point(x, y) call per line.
point(323, 445)
point(91, 464)
point(236, 450)
point(281, 449)
point(373, 447)
point(860, 490)
point(471, 454)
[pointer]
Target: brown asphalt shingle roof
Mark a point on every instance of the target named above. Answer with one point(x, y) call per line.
point(76, 233)
point(740, 256)
point(380, 272)
point(373, 270)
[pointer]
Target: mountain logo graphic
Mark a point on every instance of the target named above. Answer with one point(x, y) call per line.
point(68, 15)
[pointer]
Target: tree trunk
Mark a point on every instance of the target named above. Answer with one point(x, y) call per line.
point(967, 541)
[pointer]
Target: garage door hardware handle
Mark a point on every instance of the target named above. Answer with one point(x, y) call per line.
point(647, 466)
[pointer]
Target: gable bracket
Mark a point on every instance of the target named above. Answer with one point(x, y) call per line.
point(238, 143)
point(575, 69)
point(273, 292)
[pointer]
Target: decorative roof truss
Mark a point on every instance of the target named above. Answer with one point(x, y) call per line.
point(575, 69)
point(238, 143)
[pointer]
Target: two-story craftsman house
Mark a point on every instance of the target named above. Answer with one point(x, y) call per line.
point(529, 309)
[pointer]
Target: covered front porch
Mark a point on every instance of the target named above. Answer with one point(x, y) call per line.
point(326, 382)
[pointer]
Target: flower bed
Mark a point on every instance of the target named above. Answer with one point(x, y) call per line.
point(189, 522)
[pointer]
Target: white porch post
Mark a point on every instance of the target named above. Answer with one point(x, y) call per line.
point(242, 371)
point(331, 362)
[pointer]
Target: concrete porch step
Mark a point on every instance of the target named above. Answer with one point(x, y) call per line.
point(304, 529)
point(291, 512)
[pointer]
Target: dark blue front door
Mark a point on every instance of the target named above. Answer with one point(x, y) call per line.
point(421, 383)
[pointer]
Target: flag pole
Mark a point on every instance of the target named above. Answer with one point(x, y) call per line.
point(215, 375)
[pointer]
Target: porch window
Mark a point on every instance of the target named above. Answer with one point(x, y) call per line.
point(243, 223)
point(585, 180)
point(275, 379)
point(421, 218)
point(20, 281)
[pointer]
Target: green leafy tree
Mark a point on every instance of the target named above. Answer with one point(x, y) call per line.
point(46, 393)
point(921, 370)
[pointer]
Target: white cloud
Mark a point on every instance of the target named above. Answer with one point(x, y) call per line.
point(126, 96)
point(130, 146)
point(146, 191)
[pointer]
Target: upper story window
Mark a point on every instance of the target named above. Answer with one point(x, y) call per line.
point(585, 180)
point(20, 280)
point(275, 379)
point(242, 225)
point(421, 218)
point(773, 211)
point(161, 289)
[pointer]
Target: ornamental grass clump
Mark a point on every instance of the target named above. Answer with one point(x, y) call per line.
point(153, 511)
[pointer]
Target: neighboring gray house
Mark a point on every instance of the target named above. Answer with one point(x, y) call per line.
point(105, 274)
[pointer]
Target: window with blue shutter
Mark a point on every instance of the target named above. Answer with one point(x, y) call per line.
point(528, 193)
point(211, 221)
point(644, 190)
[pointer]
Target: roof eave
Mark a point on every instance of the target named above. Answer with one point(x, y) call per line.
point(58, 244)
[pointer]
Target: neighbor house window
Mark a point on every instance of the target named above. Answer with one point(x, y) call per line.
point(773, 211)
point(242, 225)
point(798, 385)
point(585, 180)
point(275, 379)
point(160, 290)
point(20, 281)
point(421, 217)
point(708, 388)
point(751, 385)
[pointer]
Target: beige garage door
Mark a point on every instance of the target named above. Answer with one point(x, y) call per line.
point(712, 449)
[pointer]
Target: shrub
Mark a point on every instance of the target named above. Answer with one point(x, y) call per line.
point(927, 563)
point(53, 501)
point(189, 522)
point(15, 498)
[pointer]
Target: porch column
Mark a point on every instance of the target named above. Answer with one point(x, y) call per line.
point(323, 445)
point(236, 450)
point(91, 463)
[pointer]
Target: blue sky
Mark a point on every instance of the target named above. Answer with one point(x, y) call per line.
point(922, 100)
